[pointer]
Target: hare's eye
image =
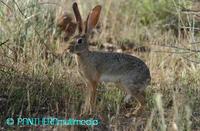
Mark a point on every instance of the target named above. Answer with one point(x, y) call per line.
point(79, 41)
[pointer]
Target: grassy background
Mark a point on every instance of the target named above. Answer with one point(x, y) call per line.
point(35, 83)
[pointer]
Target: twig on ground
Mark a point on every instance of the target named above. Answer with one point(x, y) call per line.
point(19, 8)
point(6, 5)
point(2, 43)
point(180, 48)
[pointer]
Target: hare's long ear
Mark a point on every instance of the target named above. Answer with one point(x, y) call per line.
point(92, 18)
point(78, 17)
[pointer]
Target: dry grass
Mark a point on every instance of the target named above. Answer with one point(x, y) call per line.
point(36, 82)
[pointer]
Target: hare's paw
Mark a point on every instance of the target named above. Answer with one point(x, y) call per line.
point(128, 99)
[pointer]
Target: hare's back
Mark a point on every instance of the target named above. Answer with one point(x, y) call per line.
point(117, 65)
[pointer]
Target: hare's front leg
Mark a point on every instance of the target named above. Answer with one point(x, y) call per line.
point(90, 100)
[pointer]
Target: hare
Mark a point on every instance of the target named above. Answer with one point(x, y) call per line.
point(130, 72)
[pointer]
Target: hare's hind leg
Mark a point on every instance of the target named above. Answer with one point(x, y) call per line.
point(140, 98)
point(137, 93)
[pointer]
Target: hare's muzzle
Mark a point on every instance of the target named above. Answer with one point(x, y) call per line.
point(70, 48)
